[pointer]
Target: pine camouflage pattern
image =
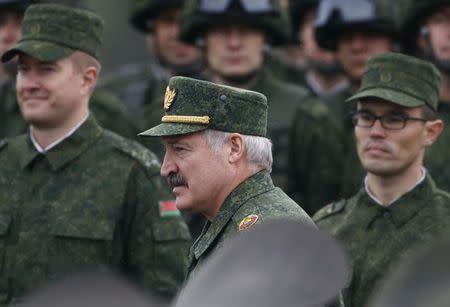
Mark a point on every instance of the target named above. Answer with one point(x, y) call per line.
point(104, 106)
point(256, 195)
point(91, 201)
point(229, 109)
point(377, 238)
point(51, 32)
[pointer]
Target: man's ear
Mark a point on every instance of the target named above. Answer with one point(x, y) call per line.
point(237, 148)
point(90, 76)
point(433, 129)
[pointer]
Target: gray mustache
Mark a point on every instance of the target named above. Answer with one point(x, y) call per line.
point(176, 180)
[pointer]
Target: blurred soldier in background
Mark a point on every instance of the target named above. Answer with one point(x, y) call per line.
point(234, 35)
point(355, 30)
point(399, 206)
point(139, 85)
point(426, 33)
point(109, 111)
point(73, 195)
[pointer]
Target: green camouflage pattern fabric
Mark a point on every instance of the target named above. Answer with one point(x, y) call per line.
point(51, 32)
point(256, 196)
point(377, 238)
point(436, 156)
point(194, 22)
point(220, 107)
point(400, 79)
point(92, 201)
point(104, 106)
point(143, 11)
point(315, 156)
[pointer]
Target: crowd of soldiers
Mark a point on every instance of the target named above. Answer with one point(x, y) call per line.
point(333, 114)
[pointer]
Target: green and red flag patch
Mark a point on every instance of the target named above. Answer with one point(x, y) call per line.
point(168, 208)
point(248, 222)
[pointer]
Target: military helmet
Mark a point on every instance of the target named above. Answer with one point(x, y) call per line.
point(415, 17)
point(199, 15)
point(14, 4)
point(335, 17)
point(144, 10)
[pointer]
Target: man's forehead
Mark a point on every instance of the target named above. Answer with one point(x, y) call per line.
point(174, 139)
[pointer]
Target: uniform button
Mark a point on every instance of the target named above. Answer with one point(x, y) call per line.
point(223, 97)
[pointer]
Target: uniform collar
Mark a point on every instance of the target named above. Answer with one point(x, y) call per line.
point(252, 186)
point(401, 210)
point(67, 150)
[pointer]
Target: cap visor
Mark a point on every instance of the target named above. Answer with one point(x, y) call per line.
point(390, 96)
point(171, 129)
point(43, 51)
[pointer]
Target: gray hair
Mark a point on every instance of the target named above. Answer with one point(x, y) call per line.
point(258, 150)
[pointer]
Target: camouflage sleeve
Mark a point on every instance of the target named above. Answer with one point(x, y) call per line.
point(315, 159)
point(158, 237)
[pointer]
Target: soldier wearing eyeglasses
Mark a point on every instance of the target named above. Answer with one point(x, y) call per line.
point(399, 207)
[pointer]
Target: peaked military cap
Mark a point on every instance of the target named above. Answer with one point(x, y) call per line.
point(193, 105)
point(400, 79)
point(51, 32)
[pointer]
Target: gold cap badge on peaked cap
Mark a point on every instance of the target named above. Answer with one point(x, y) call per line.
point(169, 98)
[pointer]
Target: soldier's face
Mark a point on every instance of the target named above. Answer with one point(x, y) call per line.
point(234, 50)
point(10, 26)
point(197, 175)
point(438, 26)
point(389, 153)
point(49, 94)
point(166, 42)
point(354, 50)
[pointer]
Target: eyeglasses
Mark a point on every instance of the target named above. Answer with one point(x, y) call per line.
point(388, 122)
point(349, 11)
point(250, 6)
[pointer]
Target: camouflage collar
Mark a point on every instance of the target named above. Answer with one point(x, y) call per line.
point(402, 210)
point(66, 151)
point(252, 186)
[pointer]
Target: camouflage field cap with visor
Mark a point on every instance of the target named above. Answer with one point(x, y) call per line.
point(51, 32)
point(193, 105)
point(400, 79)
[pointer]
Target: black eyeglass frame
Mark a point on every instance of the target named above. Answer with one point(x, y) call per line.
point(404, 119)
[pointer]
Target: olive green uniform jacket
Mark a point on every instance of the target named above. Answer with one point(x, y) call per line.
point(95, 200)
point(107, 109)
point(377, 238)
point(256, 196)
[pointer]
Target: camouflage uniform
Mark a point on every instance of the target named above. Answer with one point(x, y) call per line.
point(192, 106)
point(107, 109)
point(94, 199)
point(68, 209)
point(436, 158)
point(377, 236)
point(256, 196)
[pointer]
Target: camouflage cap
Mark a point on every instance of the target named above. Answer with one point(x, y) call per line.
point(400, 79)
point(143, 11)
point(193, 105)
point(52, 31)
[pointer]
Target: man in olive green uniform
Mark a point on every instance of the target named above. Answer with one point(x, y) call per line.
point(138, 85)
point(426, 33)
point(355, 30)
point(233, 36)
point(399, 206)
point(73, 195)
point(109, 111)
point(218, 160)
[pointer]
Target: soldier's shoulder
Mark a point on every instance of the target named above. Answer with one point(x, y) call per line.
point(330, 210)
point(133, 150)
